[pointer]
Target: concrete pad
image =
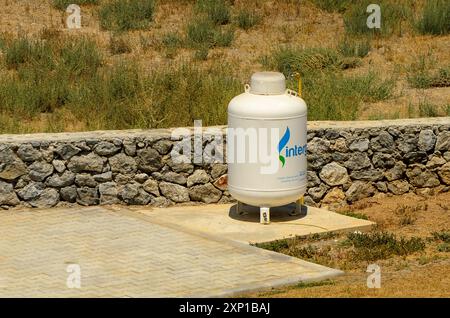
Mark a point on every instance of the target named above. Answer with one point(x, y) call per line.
point(121, 253)
point(223, 221)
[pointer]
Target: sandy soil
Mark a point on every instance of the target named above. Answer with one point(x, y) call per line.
point(421, 274)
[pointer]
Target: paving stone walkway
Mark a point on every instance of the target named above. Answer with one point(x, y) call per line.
point(121, 253)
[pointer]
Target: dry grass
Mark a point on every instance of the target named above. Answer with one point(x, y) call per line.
point(301, 25)
point(418, 273)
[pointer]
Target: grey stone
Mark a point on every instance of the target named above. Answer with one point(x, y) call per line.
point(40, 170)
point(63, 180)
point(129, 148)
point(87, 196)
point(160, 202)
point(182, 165)
point(398, 187)
point(22, 182)
point(396, 172)
point(141, 177)
point(415, 157)
point(318, 146)
point(47, 154)
point(381, 186)
point(198, 177)
point(357, 161)
point(316, 162)
point(174, 192)
point(313, 179)
point(334, 174)
point(7, 194)
point(360, 144)
point(367, 174)
point(407, 143)
point(121, 163)
point(87, 163)
point(444, 173)
point(59, 165)
point(12, 166)
point(151, 186)
point(123, 179)
point(218, 169)
point(383, 160)
point(47, 199)
point(384, 142)
point(206, 193)
point(69, 194)
point(443, 141)
point(149, 160)
point(163, 146)
point(103, 177)
point(105, 148)
point(420, 177)
point(31, 191)
point(85, 180)
point(67, 151)
point(435, 161)
point(340, 157)
point(427, 140)
point(359, 190)
point(173, 177)
point(133, 193)
point(28, 153)
point(447, 155)
point(317, 193)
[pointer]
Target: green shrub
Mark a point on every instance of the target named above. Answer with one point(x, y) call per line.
point(289, 60)
point(435, 18)
point(443, 236)
point(23, 50)
point(201, 32)
point(63, 4)
point(444, 247)
point(420, 75)
point(218, 11)
point(223, 38)
point(333, 96)
point(124, 15)
point(393, 14)
point(80, 56)
point(46, 73)
point(172, 40)
point(246, 19)
point(427, 109)
point(381, 245)
point(354, 48)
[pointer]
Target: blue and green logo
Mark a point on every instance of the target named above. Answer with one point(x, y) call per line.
point(283, 142)
point(297, 150)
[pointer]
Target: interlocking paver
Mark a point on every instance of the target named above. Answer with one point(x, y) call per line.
point(126, 255)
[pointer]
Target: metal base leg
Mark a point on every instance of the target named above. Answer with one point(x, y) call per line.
point(264, 214)
point(239, 208)
point(299, 207)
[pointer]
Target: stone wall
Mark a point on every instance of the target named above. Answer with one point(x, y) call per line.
point(347, 161)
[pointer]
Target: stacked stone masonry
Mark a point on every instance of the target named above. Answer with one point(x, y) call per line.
point(347, 161)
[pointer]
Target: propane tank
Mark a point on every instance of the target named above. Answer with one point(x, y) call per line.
point(267, 144)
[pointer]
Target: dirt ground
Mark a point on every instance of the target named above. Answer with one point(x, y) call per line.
point(421, 274)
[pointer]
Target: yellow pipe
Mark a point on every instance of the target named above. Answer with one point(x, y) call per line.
point(299, 78)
